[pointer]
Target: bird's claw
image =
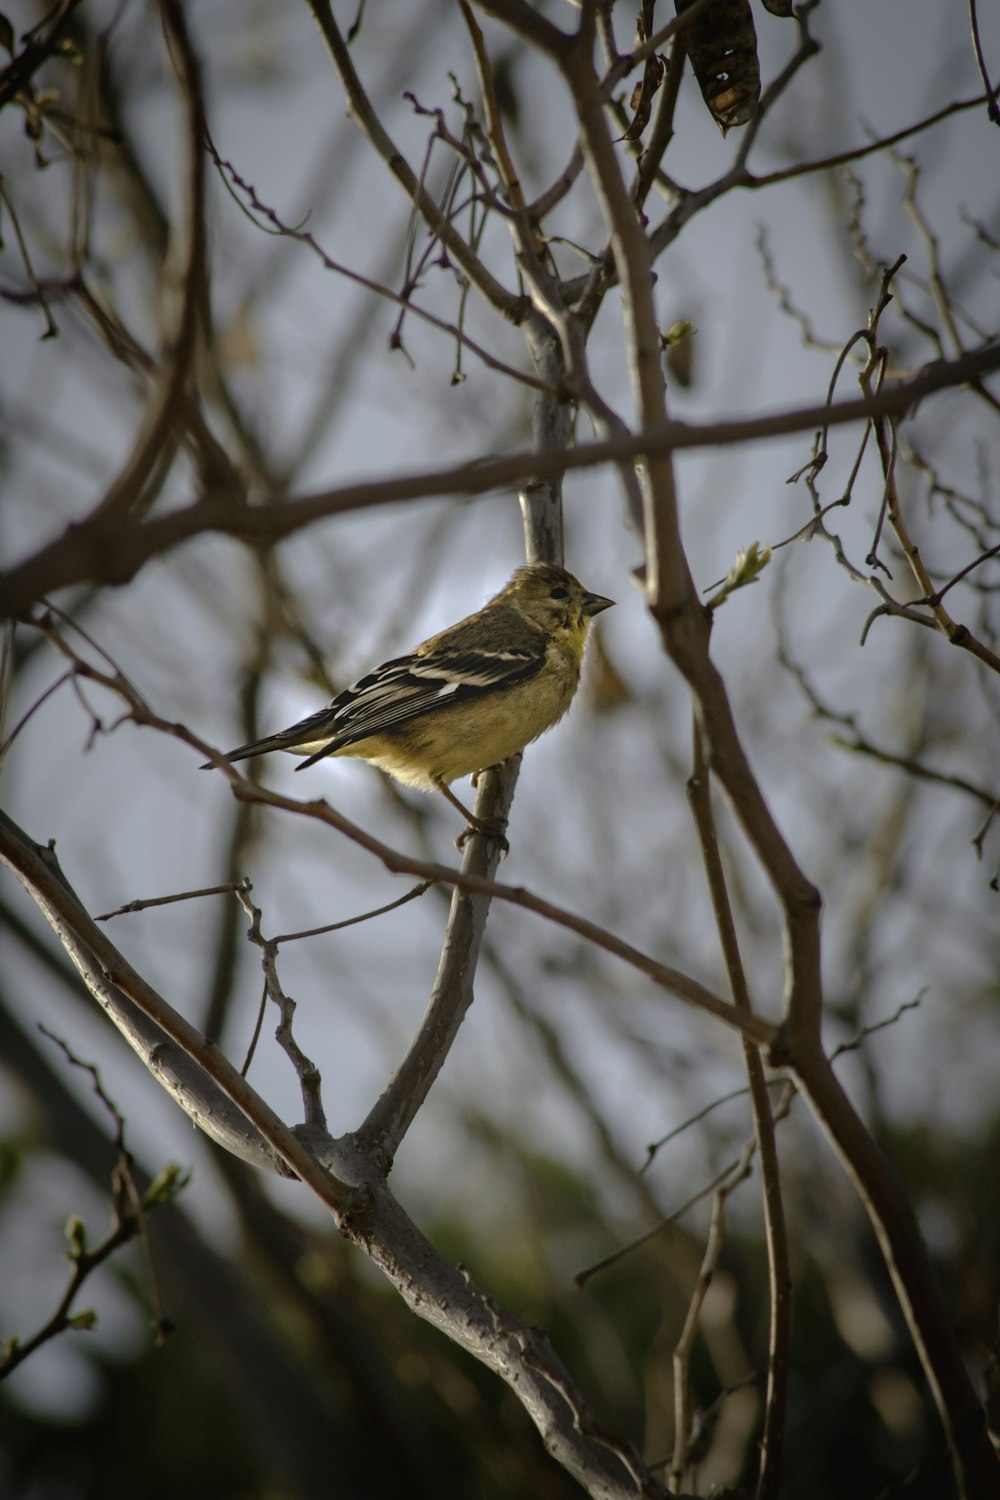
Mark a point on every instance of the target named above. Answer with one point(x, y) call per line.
point(489, 828)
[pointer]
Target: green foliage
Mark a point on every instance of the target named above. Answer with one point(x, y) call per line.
point(166, 1185)
point(76, 1233)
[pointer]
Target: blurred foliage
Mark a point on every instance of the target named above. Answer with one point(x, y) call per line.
point(393, 1397)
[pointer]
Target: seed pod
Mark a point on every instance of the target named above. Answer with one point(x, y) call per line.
point(641, 102)
point(722, 44)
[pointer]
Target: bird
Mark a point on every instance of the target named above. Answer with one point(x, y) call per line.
point(465, 699)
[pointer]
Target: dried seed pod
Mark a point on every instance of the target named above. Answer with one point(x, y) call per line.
point(641, 103)
point(721, 43)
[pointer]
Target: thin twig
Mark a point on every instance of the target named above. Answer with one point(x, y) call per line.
point(858, 153)
point(403, 298)
point(184, 279)
point(582, 1277)
point(308, 1074)
point(33, 708)
point(92, 551)
point(51, 331)
point(685, 1342)
point(992, 108)
point(367, 118)
point(208, 890)
point(776, 1236)
point(956, 634)
point(365, 916)
point(366, 1213)
point(653, 1147)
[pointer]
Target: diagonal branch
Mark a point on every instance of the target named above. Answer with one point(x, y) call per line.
point(184, 280)
point(354, 1190)
point(366, 117)
point(776, 1238)
point(451, 996)
point(684, 627)
point(115, 554)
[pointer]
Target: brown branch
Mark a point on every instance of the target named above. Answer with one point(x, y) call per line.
point(885, 437)
point(860, 744)
point(51, 331)
point(111, 979)
point(634, 266)
point(947, 311)
point(652, 1147)
point(663, 126)
point(305, 237)
point(394, 1112)
point(526, 21)
point(184, 278)
point(365, 116)
point(695, 201)
point(494, 120)
point(675, 27)
point(685, 1342)
point(19, 73)
point(366, 1213)
point(114, 555)
point(613, 1257)
point(14, 1350)
point(308, 1074)
point(857, 153)
point(366, 916)
point(133, 906)
point(776, 1238)
point(888, 1207)
point(684, 630)
point(685, 989)
point(992, 108)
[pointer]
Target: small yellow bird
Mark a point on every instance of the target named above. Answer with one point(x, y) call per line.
point(467, 698)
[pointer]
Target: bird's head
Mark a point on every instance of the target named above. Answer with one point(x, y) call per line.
point(553, 599)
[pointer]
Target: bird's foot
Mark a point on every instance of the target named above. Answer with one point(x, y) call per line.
point(489, 828)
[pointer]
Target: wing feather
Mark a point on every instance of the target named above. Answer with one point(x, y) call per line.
point(409, 686)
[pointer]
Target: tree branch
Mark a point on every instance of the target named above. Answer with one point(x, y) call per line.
point(365, 116)
point(351, 1187)
point(92, 550)
point(775, 1234)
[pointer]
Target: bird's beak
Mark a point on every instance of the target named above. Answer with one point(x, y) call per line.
point(594, 603)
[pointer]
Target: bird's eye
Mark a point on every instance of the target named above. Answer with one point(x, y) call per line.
point(559, 593)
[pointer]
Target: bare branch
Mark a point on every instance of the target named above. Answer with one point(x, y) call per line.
point(184, 280)
point(133, 906)
point(306, 1070)
point(361, 109)
point(992, 108)
point(366, 916)
point(685, 1343)
point(355, 1191)
point(43, 43)
point(684, 988)
point(14, 1350)
point(94, 550)
point(394, 1112)
point(404, 299)
point(776, 1238)
point(858, 153)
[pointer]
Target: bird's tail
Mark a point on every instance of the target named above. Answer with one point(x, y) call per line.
point(284, 741)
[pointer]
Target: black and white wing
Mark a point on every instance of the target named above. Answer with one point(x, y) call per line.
point(396, 692)
point(409, 686)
